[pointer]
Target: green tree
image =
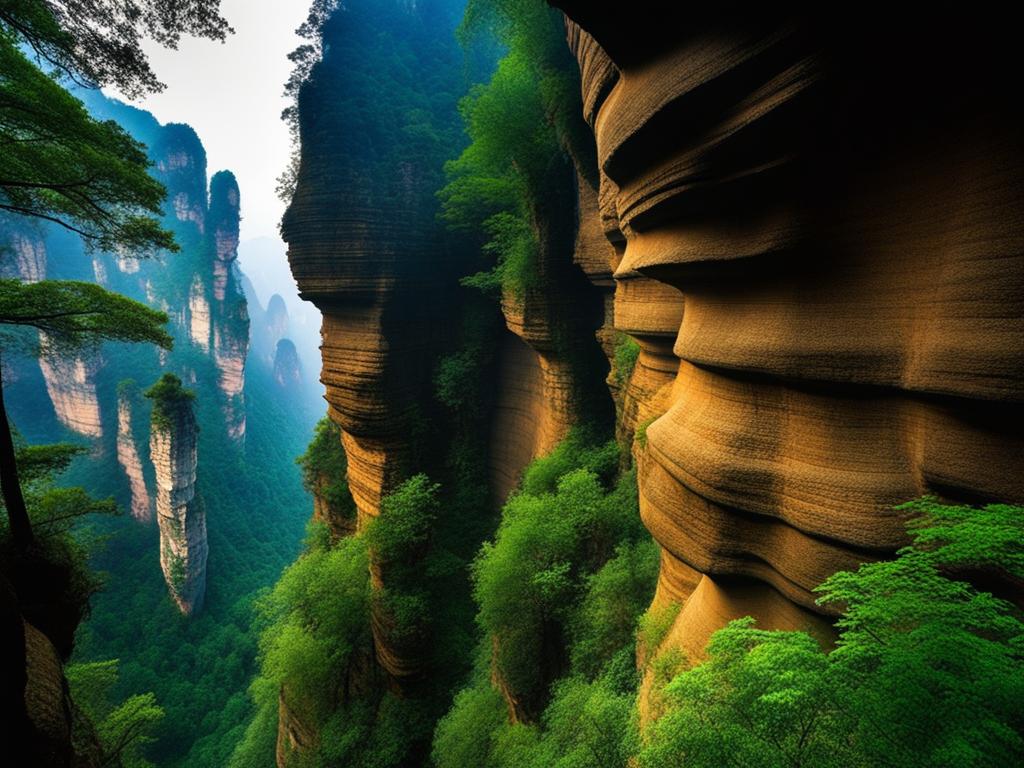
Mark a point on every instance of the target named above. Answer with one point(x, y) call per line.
point(170, 399)
point(61, 165)
point(101, 43)
point(927, 671)
point(122, 729)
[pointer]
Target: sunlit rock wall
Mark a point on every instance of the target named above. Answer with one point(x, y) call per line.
point(71, 384)
point(230, 341)
point(180, 513)
point(819, 231)
point(140, 505)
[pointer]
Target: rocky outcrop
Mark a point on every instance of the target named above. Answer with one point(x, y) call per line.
point(199, 315)
point(287, 368)
point(23, 254)
point(140, 505)
point(181, 166)
point(820, 254)
point(275, 322)
point(364, 247)
point(180, 514)
point(230, 314)
point(71, 384)
point(551, 368)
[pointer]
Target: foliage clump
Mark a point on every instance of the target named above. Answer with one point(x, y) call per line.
point(123, 728)
point(559, 593)
point(627, 351)
point(323, 469)
point(170, 400)
point(520, 125)
point(927, 669)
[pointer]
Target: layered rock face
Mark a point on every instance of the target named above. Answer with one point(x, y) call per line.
point(183, 548)
point(363, 246)
point(230, 322)
point(820, 254)
point(141, 505)
point(71, 384)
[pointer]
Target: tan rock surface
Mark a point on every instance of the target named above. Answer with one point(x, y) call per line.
point(846, 237)
point(141, 505)
point(180, 513)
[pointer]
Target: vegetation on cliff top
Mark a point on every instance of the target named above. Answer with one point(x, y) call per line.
point(170, 400)
point(560, 591)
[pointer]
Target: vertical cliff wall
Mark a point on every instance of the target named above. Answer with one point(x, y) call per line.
point(173, 444)
point(819, 249)
point(230, 318)
point(363, 242)
point(71, 384)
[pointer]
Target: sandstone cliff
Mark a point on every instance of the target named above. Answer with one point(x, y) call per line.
point(71, 384)
point(230, 318)
point(820, 255)
point(140, 505)
point(180, 513)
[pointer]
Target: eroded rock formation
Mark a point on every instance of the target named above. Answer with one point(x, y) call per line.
point(71, 384)
point(140, 505)
point(24, 252)
point(180, 514)
point(230, 323)
point(287, 368)
point(820, 254)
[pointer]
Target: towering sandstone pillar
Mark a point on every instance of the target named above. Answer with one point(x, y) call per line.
point(819, 233)
point(180, 513)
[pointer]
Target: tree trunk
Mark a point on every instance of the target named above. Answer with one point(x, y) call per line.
point(17, 513)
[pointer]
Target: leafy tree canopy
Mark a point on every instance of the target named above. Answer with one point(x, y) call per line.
point(59, 164)
point(100, 43)
point(927, 671)
point(76, 314)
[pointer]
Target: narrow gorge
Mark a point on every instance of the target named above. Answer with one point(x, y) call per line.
point(732, 249)
point(672, 368)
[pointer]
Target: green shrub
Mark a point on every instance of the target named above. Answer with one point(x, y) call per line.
point(401, 531)
point(641, 431)
point(627, 351)
point(170, 400)
point(316, 617)
point(927, 670)
point(616, 595)
point(542, 580)
point(323, 469)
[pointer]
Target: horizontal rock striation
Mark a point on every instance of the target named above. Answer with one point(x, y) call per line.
point(820, 254)
point(365, 246)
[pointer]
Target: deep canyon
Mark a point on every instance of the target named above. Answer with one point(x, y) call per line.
point(630, 330)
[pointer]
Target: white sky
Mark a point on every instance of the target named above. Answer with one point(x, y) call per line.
point(231, 94)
